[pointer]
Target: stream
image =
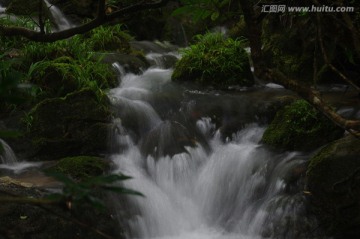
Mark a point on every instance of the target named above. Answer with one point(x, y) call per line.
point(197, 157)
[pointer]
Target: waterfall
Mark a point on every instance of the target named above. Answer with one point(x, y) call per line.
point(7, 156)
point(213, 190)
point(62, 23)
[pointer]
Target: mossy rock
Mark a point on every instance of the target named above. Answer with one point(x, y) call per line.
point(56, 78)
point(333, 178)
point(215, 61)
point(266, 111)
point(73, 125)
point(81, 167)
point(299, 126)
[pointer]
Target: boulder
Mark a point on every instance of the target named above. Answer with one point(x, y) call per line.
point(333, 179)
point(299, 126)
point(77, 124)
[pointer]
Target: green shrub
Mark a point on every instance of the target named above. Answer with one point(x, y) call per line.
point(216, 61)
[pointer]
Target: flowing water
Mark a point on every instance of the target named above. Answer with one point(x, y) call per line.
point(7, 155)
point(61, 22)
point(198, 181)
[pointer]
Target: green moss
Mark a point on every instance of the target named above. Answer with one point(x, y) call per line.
point(215, 61)
point(81, 167)
point(300, 127)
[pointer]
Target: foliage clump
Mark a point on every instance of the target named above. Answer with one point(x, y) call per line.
point(299, 126)
point(81, 167)
point(215, 61)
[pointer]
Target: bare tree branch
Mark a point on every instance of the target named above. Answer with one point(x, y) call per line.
point(101, 19)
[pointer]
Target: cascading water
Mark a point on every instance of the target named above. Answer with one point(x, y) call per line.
point(196, 184)
point(62, 23)
point(2, 9)
point(7, 155)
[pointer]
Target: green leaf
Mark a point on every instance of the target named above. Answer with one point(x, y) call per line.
point(122, 190)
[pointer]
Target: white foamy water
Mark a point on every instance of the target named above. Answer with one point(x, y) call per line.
point(62, 23)
point(237, 189)
point(20, 167)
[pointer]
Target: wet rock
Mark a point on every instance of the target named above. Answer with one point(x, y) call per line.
point(333, 179)
point(168, 138)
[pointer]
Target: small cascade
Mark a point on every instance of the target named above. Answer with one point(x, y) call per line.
point(62, 23)
point(196, 184)
point(7, 156)
point(163, 61)
point(2, 9)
